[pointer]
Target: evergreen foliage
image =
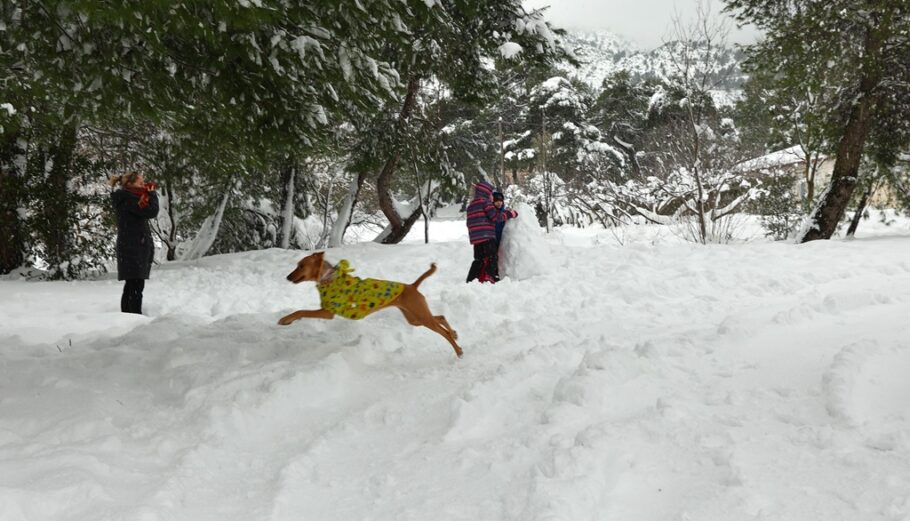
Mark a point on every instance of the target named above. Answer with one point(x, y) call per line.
point(852, 57)
point(455, 43)
point(296, 117)
point(241, 82)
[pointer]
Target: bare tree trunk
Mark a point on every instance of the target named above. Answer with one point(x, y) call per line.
point(56, 208)
point(207, 232)
point(546, 173)
point(861, 207)
point(699, 41)
point(831, 209)
point(399, 227)
point(426, 218)
point(501, 181)
point(345, 213)
point(810, 182)
point(629, 151)
point(288, 176)
point(407, 224)
point(12, 247)
point(823, 220)
point(167, 236)
point(420, 198)
point(324, 236)
point(700, 206)
point(696, 164)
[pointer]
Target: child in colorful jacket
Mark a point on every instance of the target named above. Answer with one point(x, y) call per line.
point(503, 214)
point(482, 217)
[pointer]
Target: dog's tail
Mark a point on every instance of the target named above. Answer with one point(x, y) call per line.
point(426, 274)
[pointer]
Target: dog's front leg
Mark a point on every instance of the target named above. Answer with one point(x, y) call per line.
point(303, 313)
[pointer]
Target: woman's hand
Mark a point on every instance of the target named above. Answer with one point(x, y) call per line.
point(151, 186)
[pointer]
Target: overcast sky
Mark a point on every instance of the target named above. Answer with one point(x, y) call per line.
point(644, 22)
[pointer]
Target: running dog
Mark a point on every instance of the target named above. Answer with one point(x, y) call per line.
point(340, 293)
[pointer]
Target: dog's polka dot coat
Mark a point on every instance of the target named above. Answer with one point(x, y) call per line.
point(353, 297)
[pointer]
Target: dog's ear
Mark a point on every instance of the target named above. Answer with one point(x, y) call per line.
point(319, 255)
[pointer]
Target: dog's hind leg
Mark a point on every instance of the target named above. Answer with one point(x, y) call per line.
point(414, 321)
point(447, 334)
point(438, 319)
point(430, 322)
point(441, 320)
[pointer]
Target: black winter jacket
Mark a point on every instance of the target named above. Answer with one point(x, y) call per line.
point(135, 249)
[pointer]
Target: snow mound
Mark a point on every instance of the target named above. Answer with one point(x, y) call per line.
point(524, 252)
point(840, 379)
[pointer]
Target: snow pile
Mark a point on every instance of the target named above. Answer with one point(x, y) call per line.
point(524, 252)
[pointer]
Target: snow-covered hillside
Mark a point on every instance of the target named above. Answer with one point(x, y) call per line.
point(603, 53)
point(657, 380)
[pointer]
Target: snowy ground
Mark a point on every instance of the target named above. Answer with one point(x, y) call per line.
point(654, 380)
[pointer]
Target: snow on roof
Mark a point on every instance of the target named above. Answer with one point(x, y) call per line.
point(787, 156)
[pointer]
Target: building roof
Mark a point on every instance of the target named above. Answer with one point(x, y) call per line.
point(785, 157)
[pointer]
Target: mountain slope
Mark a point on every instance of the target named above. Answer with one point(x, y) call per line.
point(603, 53)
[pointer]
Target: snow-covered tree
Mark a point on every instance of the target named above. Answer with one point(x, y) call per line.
point(693, 149)
point(778, 114)
point(454, 43)
point(855, 54)
point(570, 153)
point(243, 78)
point(621, 112)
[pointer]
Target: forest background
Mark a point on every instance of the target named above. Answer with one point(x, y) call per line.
point(282, 124)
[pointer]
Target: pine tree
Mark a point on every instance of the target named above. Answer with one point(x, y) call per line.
point(853, 53)
point(779, 114)
point(452, 43)
point(621, 110)
point(241, 79)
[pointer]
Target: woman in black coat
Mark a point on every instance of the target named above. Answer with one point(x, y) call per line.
point(135, 202)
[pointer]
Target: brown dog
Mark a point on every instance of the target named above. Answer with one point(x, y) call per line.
point(352, 297)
